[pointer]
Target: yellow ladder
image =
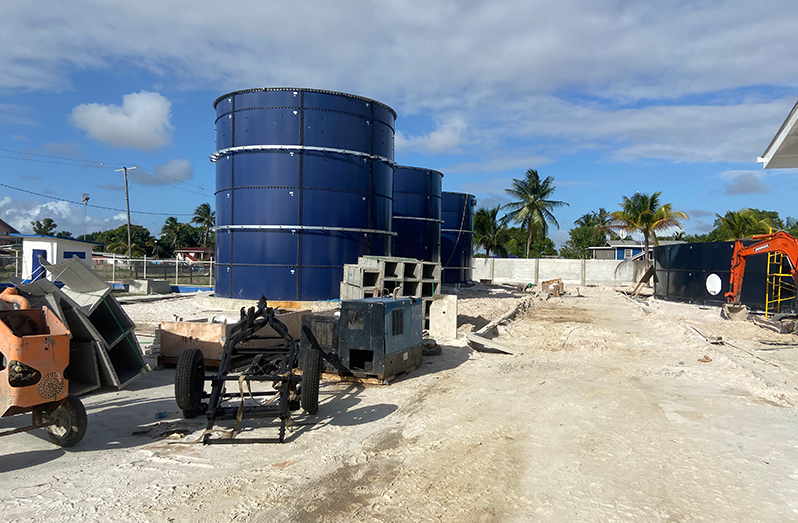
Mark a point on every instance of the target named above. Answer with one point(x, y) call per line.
point(780, 286)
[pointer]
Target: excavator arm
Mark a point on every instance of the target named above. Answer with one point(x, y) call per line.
point(776, 242)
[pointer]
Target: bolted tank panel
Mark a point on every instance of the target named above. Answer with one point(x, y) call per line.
point(457, 236)
point(304, 185)
point(417, 213)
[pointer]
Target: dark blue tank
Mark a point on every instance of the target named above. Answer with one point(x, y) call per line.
point(417, 213)
point(304, 183)
point(457, 237)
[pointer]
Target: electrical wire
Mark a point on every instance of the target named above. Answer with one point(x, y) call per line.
point(94, 164)
point(92, 205)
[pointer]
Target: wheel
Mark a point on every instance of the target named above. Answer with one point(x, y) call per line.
point(190, 382)
point(71, 422)
point(310, 363)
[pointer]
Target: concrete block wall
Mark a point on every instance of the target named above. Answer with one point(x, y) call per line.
point(572, 272)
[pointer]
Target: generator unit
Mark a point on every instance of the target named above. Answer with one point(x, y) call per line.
point(372, 337)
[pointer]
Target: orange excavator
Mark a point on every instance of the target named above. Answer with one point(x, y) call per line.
point(775, 242)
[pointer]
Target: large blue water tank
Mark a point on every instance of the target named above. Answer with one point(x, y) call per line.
point(304, 183)
point(457, 237)
point(417, 213)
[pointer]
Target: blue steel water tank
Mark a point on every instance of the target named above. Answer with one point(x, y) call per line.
point(457, 236)
point(304, 183)
point(417, 213)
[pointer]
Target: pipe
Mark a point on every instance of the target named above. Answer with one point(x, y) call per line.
point(11, 295)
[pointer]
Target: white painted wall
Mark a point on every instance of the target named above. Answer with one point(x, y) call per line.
point(55, 249)
point(572, 272)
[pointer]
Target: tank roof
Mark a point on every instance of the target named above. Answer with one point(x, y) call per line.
point(305, 89)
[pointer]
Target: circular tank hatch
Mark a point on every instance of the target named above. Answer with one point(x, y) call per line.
point(713, 284)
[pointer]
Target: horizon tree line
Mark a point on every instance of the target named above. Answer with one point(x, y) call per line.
point(173, 235)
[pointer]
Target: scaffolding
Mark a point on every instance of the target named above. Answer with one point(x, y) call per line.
point(780, 286)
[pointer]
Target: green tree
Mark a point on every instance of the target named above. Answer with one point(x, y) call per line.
point(742, 224)
point(644, 213)
point(63, 234)
point(490, 233)
point(111, 240)
point(45, 227)
point(205, 218)
point(516, 244)
point(590, 230)
point(532, 205)
point(172, 230)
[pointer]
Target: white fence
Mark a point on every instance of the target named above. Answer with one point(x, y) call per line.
point(572, 272)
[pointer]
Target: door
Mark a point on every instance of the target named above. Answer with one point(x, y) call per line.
point(37, 271)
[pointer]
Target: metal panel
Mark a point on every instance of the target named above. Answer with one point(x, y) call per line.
point(682, 271)
point(417, 213)
point(457, 236)
point(289, 162)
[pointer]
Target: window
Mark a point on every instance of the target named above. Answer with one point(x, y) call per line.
point(398, 322)
point(353, 319)
point(627, 254)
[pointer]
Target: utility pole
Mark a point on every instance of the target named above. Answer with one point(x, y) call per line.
point(127, 201)
point(85, 206)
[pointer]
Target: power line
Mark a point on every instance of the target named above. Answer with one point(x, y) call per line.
point(92, 205)
point(95, 164)
point(174, 185)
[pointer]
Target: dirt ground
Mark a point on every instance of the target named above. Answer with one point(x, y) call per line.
point(610, 409)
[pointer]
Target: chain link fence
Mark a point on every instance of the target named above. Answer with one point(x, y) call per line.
point(10, 265)
point(176, 272)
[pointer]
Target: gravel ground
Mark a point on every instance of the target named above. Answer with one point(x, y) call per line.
point(611, 409)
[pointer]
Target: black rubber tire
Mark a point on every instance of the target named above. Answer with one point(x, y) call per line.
point(71, 423)
point(310, 363)
point(190, 382)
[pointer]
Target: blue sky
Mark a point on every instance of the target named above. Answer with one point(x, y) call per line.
point(608, 97)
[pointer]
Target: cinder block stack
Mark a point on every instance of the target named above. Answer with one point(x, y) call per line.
point(375, 276)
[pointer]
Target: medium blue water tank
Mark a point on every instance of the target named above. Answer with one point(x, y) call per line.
point(457, 237)
point(304, 183)
point(417, 213)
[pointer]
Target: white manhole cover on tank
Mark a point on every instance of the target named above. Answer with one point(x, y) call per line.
point(713, 284)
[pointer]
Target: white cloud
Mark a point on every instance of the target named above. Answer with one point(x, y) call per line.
point(69, 217)
point(447, 138)
point(141, 122)
point(173, 171)
point(589, 72)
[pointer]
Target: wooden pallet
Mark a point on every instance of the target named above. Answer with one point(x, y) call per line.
point(367, 379)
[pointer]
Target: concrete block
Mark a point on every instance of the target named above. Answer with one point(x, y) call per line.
point(443, 317)
point(150, 286)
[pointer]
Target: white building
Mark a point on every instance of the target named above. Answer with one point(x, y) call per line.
point(53, 250)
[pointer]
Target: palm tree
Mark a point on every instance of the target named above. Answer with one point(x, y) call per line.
point(172, 229)
point(489, 231)
point(600, 221)
point(742, 224)
point(643, 212)
point(45, 227)
point(532, 206)
point(205, 218)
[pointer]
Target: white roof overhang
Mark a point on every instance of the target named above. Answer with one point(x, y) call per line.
point(782, 153)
